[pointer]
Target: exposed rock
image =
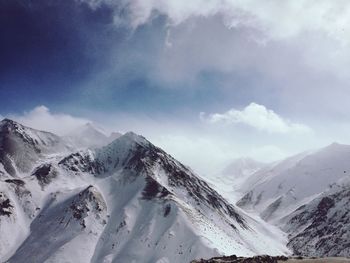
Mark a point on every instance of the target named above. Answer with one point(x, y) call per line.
point(6, 209)
point(17, 182)
point(235, 259)
point(82, 161)
point(45, 174)
point(322, 227)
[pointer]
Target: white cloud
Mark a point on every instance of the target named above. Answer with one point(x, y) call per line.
point(321, 27)
point(204, 154)
point(258, 117)
point(278, 18)
point(41, 118)
point(205, 148)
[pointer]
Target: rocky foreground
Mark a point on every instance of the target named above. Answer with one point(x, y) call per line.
point(271, 259)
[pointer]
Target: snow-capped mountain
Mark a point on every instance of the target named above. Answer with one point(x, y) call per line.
point(88, 136)
point(126, 202)
point(277, 190)
point(322, 226)
point(21, 147)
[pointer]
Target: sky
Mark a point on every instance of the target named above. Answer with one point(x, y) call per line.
point(206, 80)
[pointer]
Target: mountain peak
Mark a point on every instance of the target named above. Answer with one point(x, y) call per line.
point(21, 146)
point(8, 122)
point(130, 138)
point(20, 128)
point(334, 147)
point(123, 145)
point(135, 137)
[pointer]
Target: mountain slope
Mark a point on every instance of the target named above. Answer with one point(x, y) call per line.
point(322, 226)
point(185, 204)
point(77, 220)
point(21, 146)
point(128, 201)
point(281, 188)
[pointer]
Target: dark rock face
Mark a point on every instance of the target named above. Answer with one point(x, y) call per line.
point(16, 182)
point(5, 205)
point(246, 199)
point(79, 206)
point(45, 174)
point(324, 224)
point(82, 162)
point(154, 190)
point(235, 259)
point(167, 210)
point(271, 209)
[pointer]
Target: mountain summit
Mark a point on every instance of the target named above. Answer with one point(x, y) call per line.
point(21, 146)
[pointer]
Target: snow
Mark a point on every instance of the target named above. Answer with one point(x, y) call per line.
point(89, 136)
point(143, 206)
point(281, 188)
point(322, 223)
point(129, 201)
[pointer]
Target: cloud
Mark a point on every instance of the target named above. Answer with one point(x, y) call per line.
point(258, 117)
point(322, 26)
point(43, 119)
point(237, 49)
point(277, 18)
point(205, 148)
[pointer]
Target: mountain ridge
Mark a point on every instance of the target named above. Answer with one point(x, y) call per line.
point(157, 210)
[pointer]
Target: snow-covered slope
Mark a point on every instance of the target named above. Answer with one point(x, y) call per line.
point(277, 190)
point(126, 202)
point(322, 226)
point(21, 147)
point(231, 180)
point(66, 225)
point(88, 136)
point(178, 213)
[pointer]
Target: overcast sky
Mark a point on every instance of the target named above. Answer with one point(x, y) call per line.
point(207, 80)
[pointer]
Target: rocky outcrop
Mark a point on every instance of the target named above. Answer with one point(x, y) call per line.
point(321, 227)
point(235, 259)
